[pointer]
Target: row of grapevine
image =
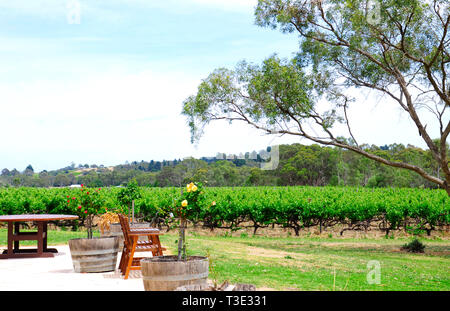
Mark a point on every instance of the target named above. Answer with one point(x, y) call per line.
point(294, 207)
point(298, 207)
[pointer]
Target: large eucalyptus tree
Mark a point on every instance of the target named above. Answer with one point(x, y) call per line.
point(396, 48)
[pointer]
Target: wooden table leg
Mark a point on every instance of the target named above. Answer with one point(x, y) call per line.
point(44, 236)
point(40, 237)
point(10, 238)
point(16, 232)
point(44, 239)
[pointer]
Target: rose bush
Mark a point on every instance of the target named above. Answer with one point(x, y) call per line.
point(87, 203)
point(187, 206)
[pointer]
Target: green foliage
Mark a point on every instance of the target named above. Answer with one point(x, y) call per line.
point(298, 165)
point(191, 202)
point(129, 193)
point(293, 207)
point(270, 93)
point(87, 203)
point(415, 246)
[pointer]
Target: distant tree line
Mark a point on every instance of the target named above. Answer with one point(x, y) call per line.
point(298, 165)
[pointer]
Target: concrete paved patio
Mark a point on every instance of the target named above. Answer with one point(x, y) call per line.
point(57, 274)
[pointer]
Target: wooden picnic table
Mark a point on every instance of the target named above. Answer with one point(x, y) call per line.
point(14, 236)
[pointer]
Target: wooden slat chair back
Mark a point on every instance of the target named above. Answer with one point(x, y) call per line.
point(132, 244)
point(125, 230)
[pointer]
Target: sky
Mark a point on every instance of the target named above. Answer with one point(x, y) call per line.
point(102, 82)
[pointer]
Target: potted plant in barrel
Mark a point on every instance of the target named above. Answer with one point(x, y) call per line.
point(127, 197)
point(91, 254)
point(170, 272)
point(109, 225)
point(109, 222)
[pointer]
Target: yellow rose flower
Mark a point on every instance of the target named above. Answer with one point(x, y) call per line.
point(194, 188)
point(184, 203)
point(190, 186)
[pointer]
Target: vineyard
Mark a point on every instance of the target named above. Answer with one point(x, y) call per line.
point(296, 207)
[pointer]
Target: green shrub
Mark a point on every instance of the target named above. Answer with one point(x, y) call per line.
point(415, 246)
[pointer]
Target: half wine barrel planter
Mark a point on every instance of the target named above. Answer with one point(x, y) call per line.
point(114, 230)
point(94, 255)
point(166, 273)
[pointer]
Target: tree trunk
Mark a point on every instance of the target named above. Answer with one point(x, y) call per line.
point(181, 240)
point(129, 211)
point(132, 208)
point(89, 226)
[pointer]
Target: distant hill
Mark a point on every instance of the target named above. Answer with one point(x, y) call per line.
point(296, 165)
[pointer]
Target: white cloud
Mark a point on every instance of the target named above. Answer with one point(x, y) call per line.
point(234, 5)
point(111, 116)
point(105, 107)
point(51, 9)
point(108, 118)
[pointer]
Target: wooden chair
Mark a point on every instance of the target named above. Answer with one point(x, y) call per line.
point(132, 244)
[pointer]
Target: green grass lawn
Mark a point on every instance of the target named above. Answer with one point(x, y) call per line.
point(307, 263)
point(321, 263)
